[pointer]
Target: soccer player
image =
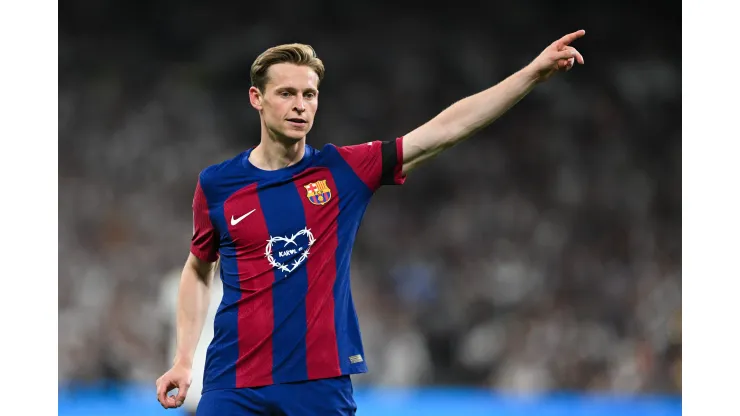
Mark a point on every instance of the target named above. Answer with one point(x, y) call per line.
point(282, 218)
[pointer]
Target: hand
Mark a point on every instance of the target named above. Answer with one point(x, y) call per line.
point(178, 377)
point(559, 56)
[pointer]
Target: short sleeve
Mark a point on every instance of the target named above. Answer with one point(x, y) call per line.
point(204, 244)
point(376, 163)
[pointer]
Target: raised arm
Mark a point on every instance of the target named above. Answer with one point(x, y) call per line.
point(467, 116)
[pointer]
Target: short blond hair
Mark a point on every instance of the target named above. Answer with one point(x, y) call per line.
point(292, 53)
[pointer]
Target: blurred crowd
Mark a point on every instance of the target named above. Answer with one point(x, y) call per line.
point(542, 254)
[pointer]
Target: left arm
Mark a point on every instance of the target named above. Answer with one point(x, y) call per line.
point(467, 116)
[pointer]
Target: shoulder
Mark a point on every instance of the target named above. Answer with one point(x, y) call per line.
point(327, 149)
point(213, 173)
point(348, 151)
point(325, 155)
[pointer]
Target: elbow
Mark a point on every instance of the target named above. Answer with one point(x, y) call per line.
point(202, 270)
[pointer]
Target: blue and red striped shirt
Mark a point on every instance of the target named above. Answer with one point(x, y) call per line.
point(285, 240)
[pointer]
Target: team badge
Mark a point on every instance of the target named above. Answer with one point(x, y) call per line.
point(318, 192)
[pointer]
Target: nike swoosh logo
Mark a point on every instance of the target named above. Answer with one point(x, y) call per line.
point(238, 220)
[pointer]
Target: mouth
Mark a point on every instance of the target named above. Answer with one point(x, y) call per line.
point(297, 121)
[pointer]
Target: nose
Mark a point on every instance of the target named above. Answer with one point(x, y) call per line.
point(300, 105)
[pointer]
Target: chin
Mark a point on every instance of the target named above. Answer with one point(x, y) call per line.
point(295, 135)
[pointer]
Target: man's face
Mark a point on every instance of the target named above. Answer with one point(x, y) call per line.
point(289, 102)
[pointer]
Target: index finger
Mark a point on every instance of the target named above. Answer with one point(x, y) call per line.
point(570, 37)
point(161, 393)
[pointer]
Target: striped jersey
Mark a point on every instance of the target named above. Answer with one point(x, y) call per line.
point(284, 238)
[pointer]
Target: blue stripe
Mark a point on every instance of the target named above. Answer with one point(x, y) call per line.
point(284, 215)
point(354, 197)
point(223, 352)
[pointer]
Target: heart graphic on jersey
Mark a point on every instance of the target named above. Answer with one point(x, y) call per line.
point(291, 251)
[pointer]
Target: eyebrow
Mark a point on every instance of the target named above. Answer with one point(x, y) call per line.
point(292, 89)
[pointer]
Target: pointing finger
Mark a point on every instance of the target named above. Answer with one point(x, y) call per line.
point(570, 37)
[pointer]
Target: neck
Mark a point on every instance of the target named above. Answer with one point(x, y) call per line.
point(275, 153)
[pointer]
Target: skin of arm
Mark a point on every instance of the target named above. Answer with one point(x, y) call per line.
point(192, 307)
point(467, 116)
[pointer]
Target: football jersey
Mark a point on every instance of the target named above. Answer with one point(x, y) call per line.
point(284, 238)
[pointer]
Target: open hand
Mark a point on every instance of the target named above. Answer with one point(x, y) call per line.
point(559, 56)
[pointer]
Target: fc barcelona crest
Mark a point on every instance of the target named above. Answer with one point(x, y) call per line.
point(318, 193)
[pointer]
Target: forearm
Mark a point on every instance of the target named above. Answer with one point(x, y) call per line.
point(465, 117)
point(473, 113)
point(192, 307)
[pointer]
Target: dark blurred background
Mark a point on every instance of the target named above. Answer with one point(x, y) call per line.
point(544, 254)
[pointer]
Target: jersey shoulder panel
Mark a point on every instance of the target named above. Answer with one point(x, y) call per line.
point(213, 173)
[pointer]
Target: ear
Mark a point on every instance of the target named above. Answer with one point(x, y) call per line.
point(255, 98)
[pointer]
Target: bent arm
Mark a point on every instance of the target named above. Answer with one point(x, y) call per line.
point(192, 307)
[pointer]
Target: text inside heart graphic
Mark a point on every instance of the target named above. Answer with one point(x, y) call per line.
point(287, 247)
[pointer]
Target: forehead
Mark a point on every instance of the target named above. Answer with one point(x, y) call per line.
point(291, 75)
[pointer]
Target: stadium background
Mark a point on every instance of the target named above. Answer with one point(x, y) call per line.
point(540, 259)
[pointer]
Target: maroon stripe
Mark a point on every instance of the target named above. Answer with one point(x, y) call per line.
point(204, 244)
point(322, 357)
point(365, 161)
point(255, 313)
